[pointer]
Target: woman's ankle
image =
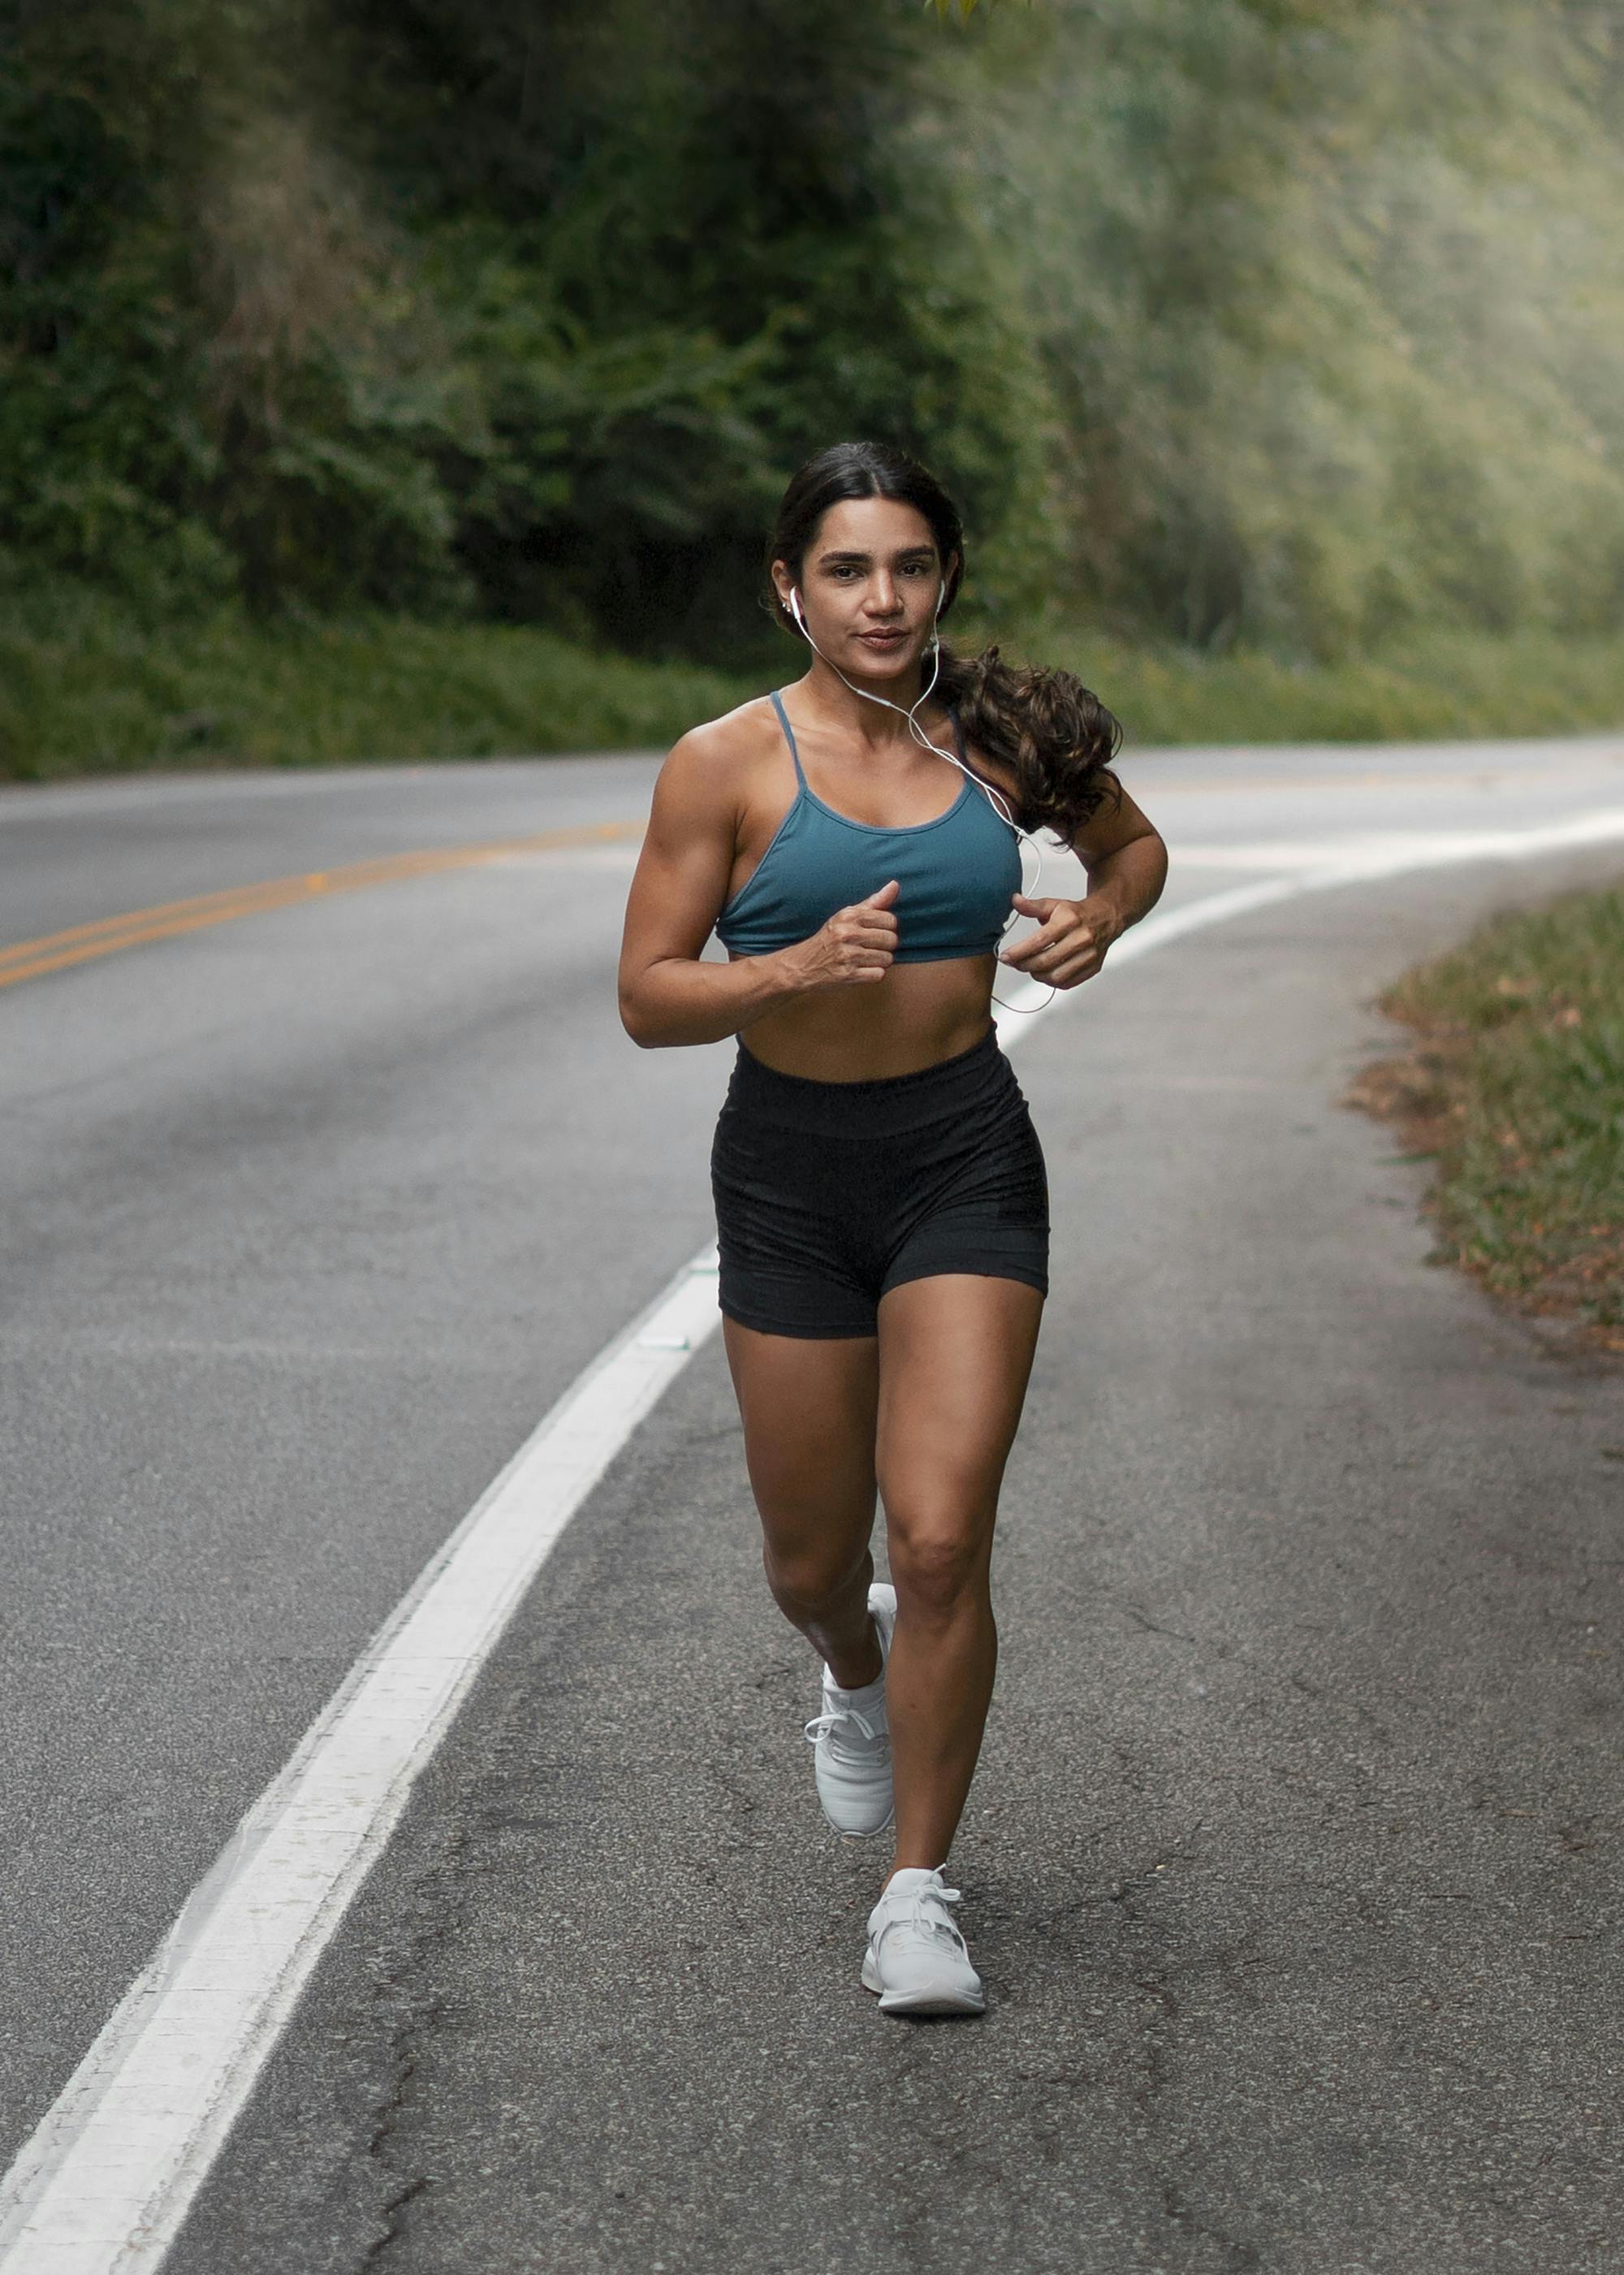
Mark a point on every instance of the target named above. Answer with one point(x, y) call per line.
point(859, 1669)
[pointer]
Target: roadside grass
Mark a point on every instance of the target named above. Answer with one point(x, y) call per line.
point(1515, 1086)
point(88, 688)
point(1432, 686)
point(98, 693)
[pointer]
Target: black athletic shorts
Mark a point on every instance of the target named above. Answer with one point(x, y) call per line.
point(829, 1193)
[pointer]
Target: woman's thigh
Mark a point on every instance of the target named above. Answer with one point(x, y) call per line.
point(809, 1406)
point(955, 1352)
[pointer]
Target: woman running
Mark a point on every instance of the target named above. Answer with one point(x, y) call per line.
point(881, 1204)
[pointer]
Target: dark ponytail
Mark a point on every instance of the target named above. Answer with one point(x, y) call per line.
point(1055, 736)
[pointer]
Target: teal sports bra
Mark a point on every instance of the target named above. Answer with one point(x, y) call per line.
point(955, 875)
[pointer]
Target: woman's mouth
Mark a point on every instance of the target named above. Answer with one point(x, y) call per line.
point(882, 641)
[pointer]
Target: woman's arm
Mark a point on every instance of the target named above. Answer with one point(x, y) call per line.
point(666, 994)
point(1126, 865)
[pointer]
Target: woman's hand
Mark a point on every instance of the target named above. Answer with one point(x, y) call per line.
point(1069, 944)
point(855, 945)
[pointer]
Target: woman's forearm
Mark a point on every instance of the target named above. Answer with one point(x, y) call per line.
point(1130, 880)
point(679, 1000)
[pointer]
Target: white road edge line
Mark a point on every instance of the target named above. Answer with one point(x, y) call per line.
point(104, 2184)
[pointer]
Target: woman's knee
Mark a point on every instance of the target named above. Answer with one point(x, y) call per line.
point(811, 1575)
point(939, 1562)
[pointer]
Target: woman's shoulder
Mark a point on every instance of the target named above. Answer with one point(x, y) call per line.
point(716, 763)
point(738, 735)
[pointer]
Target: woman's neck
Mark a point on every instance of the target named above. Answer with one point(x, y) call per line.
point(844, 711)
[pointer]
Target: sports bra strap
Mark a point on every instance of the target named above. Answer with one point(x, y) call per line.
point(783, 720)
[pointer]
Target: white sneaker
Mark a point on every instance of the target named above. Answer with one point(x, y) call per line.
point(915, 1958)
point(851, 1740)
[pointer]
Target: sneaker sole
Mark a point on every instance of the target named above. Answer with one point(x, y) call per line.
point(924, 2002)
point(847, 1832)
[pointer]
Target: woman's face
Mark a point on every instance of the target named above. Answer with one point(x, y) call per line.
point(869, 585)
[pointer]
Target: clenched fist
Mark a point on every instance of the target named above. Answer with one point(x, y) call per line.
point(855, 945)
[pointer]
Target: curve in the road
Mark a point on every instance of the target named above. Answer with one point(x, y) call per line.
point(104, 2183)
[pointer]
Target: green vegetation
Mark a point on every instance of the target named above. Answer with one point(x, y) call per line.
point(94, 689)
point(99, 692)
point(1516, 1085)
point(1275, 348)
point(1436, 682)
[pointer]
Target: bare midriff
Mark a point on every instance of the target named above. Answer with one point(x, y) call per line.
point(917, 1015)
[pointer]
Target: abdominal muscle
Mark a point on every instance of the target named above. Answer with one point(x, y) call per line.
point(872, 1028)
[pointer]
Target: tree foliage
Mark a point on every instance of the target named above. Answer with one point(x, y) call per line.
point(1332, 300)
point(1258, 320)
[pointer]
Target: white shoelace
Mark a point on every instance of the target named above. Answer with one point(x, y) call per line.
point(831, 1719)
point(914, 1915)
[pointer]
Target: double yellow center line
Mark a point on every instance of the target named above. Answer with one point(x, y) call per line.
point(32, 959)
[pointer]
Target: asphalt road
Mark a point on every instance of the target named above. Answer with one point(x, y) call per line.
point(1292, 1863)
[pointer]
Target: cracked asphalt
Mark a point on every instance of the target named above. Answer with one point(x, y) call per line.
point(1293, 1863)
